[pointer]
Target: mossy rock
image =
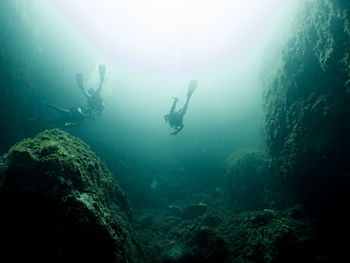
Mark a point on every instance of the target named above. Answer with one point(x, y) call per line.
point(251, 182)
point(59, 203)
point(196, 243)
point(307, 106)
point(272, 236)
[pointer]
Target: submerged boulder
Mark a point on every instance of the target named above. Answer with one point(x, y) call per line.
point(222, 235)
point(307, 106)
point(195, 243)
point(59, 203)
point(273, 236)
point(250, 181)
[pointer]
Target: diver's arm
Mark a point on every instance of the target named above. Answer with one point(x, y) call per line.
point(178, 130)
point(51, 121)
point(99, 88)
point(102, 71)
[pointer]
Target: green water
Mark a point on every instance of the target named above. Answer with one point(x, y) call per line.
point(259, 172)
point(151, 52)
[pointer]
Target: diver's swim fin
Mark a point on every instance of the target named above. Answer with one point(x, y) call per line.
point(192, 87)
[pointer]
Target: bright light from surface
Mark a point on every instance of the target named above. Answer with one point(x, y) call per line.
point(153, 48)
point(167, 32)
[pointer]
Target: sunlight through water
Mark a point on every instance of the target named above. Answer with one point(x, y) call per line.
point(168, 32)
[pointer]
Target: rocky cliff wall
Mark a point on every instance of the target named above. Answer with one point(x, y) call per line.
point(307, 105)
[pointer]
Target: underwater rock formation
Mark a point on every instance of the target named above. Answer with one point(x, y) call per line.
point(194, 210)
point(183, 242)
point(196, 243)
point(59, 203)
point(307, 106)
point(220, 235)
point(272, 236)
point(250, 181)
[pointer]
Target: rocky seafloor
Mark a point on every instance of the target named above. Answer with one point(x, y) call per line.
point(60, 203)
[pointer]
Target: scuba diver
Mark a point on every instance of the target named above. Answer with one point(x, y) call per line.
point(94, 100)
point(175, 118)
point(70, 117)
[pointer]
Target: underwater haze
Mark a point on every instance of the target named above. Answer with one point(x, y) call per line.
point(158, 131)
point(152, 49)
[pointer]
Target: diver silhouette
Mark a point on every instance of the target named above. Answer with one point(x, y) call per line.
point(175, 118)
point(94, 100)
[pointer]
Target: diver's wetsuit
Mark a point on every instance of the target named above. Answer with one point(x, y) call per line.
point(175, 118)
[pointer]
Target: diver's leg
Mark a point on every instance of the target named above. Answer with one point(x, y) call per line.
point(184, 109)
point(65, 114)
point(60, 110)
point(55, 121)
point(102, 71)
point(80, 79)
point(34, 118)
point(51, 121)
point(191, 89)
point(174, 105)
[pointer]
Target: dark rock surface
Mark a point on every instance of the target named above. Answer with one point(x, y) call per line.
point(195, 243)
point(307, 106)
point(272, 236)
point(59, 204)
point(194, 210)
point(251, 182)
point(221, 235)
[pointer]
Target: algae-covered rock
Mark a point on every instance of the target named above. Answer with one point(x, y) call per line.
point(222, 235)
point(59, 203)
point(175, 210)
point(250, 181)
point(196, 243)
point(307, 106)
point(194, 210)
point(272, 236)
